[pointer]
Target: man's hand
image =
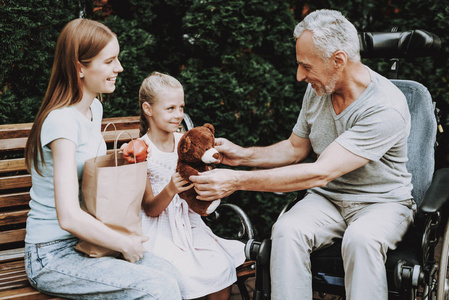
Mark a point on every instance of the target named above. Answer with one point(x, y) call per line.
point(215, 184)
point(230, 153)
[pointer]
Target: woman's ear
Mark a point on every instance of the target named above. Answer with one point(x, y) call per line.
point(147, 109)
point(80, 70)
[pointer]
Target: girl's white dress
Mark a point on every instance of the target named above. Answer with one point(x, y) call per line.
point(206, 262)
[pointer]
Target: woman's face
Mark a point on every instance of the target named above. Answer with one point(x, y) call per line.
point(100, 75)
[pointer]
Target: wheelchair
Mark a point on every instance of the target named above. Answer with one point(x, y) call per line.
point(418, 267)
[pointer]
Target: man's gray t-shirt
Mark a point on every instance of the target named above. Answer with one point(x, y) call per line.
point(375, 126)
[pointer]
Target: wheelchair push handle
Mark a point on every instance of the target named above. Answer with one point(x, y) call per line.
point(412, 43)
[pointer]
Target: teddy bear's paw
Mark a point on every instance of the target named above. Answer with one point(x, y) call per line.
point(213, 206)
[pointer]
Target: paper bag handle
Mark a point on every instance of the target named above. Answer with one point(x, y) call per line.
point(115, 146)
point(104, 131)
point(115, 142)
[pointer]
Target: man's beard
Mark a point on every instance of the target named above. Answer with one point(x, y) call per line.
point(328, 88)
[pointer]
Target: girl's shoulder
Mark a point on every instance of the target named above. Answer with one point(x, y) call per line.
point(178, 136)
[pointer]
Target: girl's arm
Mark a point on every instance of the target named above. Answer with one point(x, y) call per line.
point(75, 220)
point(154, 205)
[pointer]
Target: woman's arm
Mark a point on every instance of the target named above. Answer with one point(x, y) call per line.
point(75, 220)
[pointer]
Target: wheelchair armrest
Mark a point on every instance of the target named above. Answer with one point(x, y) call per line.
point(437, 195)
point(412, 43)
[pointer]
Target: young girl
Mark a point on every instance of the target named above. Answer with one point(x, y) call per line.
point(67, 132)
point(207, 263)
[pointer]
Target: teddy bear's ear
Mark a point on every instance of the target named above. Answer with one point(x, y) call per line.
point(210, 127)
point(184, 144)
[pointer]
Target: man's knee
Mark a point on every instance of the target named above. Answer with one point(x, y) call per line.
point(357, 238)
point(291, 229)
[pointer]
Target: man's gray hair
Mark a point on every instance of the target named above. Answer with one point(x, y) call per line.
point(331, 32)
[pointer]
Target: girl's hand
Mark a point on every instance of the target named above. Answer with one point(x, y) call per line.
point(134, 250)
point(123, 146)
point(177, 184)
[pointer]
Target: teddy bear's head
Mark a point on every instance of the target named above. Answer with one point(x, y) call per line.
point(197, 145)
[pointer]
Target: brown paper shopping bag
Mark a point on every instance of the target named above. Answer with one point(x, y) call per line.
point(112, 192)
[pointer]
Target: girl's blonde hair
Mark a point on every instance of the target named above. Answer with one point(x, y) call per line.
point(151, 87)
point(78, 43)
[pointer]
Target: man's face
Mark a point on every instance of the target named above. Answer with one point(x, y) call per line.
point(312, 68)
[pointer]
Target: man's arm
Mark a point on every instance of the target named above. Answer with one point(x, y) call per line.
point(286, 152)
point(334, 162)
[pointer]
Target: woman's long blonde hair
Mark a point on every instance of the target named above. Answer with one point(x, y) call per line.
point(78, 43)
point(150, 89)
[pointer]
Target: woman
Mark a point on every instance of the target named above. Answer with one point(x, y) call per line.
point(67, 132)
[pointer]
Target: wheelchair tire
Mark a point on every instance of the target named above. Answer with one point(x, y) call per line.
point(443, 275)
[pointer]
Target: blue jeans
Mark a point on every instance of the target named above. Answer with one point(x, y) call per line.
point(56, 268)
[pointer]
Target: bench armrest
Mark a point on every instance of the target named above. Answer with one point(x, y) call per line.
point(437, 195)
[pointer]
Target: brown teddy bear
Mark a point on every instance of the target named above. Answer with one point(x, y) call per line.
point(196, 153)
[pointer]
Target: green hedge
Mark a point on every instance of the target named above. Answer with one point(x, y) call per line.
point(235, 59)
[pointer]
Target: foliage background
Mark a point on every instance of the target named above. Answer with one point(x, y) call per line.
point(235, 59)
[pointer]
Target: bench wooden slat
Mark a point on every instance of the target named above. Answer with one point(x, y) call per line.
point(13, 144)
point(26, 293)
point(13, 217)
point(13, 131)
point(10, 131)
point(121, 123)
point(17, 181)
point(13, 257)
point(13, 276)
point(14, 199)
point(13, 280)
point(247, 269)
point(110, 136)
point(13, 265)
point(14, 136)
point(12, 165)
point(12, 236)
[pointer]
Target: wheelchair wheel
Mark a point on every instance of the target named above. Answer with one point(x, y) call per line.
point(443, 274)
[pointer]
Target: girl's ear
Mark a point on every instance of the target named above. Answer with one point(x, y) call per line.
point(147, 109)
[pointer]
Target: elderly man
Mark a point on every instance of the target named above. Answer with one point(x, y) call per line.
point(357, 122)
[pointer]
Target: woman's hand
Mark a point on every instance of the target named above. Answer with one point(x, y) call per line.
point(134, 250)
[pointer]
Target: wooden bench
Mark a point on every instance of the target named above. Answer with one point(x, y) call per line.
point(15, 183)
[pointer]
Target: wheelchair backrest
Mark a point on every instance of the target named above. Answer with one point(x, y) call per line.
point(421, 142)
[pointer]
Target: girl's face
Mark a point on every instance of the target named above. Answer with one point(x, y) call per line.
point(167, 112)
point(100, 75)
